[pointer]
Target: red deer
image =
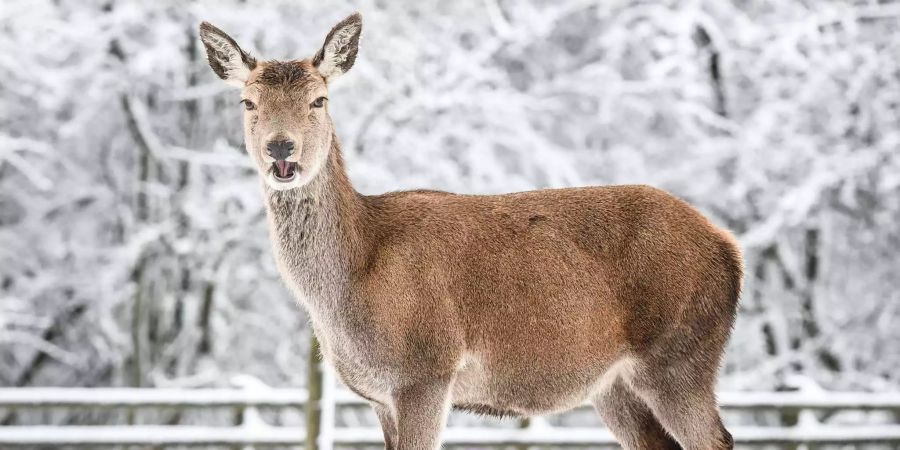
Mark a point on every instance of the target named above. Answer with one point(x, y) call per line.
point(519, 304)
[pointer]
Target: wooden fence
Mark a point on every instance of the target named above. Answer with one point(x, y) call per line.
point(537, 433)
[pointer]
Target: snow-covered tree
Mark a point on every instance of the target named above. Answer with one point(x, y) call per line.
point(133, 249)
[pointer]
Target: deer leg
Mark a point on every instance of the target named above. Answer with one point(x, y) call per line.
point(422, 413)
point(630, 420)
point(680, 392)
point(691, 417)
point(388, 421)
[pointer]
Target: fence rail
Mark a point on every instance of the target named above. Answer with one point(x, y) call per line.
point(260, 434)
point(295, 398)
point(270, 436)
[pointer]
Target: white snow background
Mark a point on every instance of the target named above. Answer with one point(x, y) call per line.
point(133, 246)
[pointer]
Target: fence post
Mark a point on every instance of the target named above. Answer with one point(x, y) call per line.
point(524, 423)
point(237, 420)
point(314, 386)
point(327, 406)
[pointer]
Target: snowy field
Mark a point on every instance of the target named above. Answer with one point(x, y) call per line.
point(133, 244)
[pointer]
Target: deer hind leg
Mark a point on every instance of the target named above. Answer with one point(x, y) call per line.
point(422, 410)
point(691, 416)
point(630, 420)
point(677, 382)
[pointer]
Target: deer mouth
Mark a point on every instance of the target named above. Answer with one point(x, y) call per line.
point(284, 170)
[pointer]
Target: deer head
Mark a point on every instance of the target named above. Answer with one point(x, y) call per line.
point(287, 128)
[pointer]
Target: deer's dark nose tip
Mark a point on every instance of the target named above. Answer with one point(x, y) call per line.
point(280, 149)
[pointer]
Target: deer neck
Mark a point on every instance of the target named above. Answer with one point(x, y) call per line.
point(316, 233)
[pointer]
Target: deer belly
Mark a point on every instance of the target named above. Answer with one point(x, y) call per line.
point(520, 391)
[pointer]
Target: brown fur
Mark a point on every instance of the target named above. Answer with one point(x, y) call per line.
point(525, 303)
point(278, 73)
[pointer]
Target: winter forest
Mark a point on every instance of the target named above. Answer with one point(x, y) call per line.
point(133, 240)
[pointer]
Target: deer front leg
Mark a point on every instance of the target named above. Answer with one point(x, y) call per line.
point(421, 413)
point(388, 421)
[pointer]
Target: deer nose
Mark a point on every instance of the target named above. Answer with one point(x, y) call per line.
point(280, 149)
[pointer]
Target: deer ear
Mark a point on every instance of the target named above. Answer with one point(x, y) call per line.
point(227, 60)
point(339, 51)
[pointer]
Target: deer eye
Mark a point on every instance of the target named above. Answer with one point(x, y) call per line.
point(248, 105)
point(320, 102)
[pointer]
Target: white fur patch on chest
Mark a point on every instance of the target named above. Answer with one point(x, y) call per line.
point(623, 368)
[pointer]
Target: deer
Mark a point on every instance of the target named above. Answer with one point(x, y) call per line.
point(520, 304)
